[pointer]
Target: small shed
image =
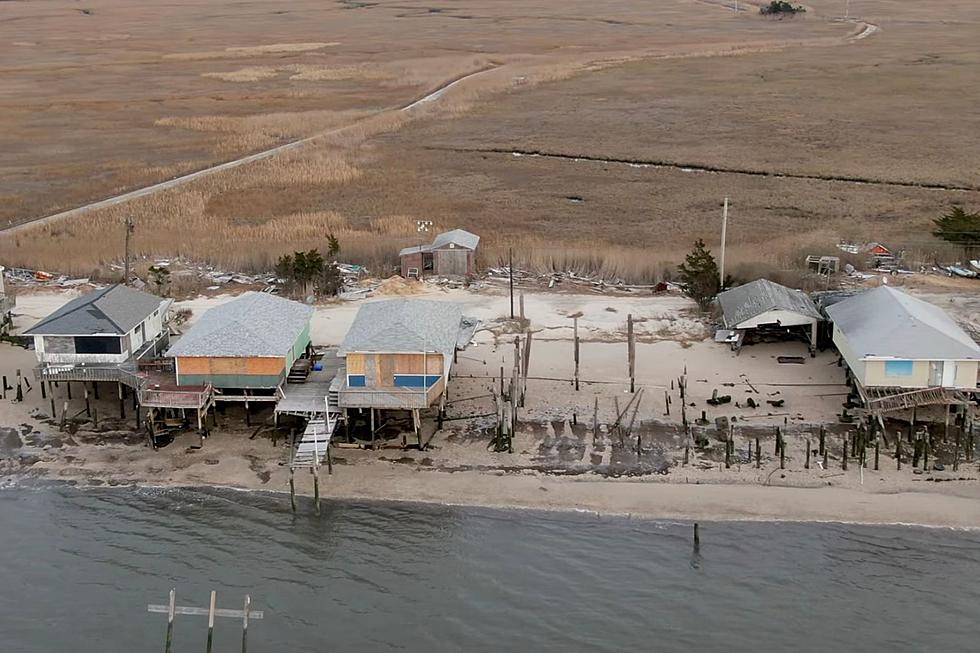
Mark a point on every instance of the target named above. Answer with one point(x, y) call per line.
point(250, 342)
point(451, 254)
point(766, 305)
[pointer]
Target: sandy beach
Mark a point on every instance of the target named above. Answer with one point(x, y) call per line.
point(558, 462)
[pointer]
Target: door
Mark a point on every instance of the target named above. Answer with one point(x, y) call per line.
point(935, 373)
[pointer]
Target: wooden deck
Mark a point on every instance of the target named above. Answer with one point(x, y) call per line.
point(389, 398)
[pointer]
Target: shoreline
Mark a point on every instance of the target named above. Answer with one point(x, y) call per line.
point(623, 498)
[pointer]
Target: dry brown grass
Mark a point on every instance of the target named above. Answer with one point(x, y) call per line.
point(690, 99)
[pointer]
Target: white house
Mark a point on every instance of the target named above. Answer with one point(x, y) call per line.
point(890, 339)
point(106, 326)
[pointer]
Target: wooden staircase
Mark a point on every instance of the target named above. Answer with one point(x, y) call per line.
point(880, 401)
point(311, 449)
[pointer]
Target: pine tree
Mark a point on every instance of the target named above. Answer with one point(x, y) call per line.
point(959, 227)
point(699, 274)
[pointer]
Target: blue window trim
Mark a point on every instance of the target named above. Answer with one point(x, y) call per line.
point(355, 381)
point(415, 380)
point(899, 368)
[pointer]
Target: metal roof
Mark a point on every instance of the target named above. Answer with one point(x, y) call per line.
point(252, 324)
point(457, 237)
point(404, 325)
point(752, 299)
point(117, 309)
point(890, 323)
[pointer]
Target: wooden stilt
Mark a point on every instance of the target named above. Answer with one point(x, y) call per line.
point(122, 402)
point(292, 488)
point(88, 407)
point(44, 394)
point(758, 454)
point(95, 389)
point(67, 385)
point(54, 414)
point(806, 465)
point(373, 445)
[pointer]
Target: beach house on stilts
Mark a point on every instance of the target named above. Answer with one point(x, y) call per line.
point(398, 356)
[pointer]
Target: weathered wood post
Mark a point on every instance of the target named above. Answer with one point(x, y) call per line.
point(20, 388)
point(88, 408)
point(778, 443)
point(245, 611)
point(211, 622)
point(782, 452)
point(631, 350)
point(122, 402)
point(170, 620)
point(95, 417)
point(5, 386)
point(877, 446)
point(956, 452)
point(758, 454)
point(54, 414)
point(925, 455)
point(697, 536)
point(843, 458)
point(67, 387)
point(292, 488)
point(728, 453)
point(666, 404)
point(315, 470)
point(44, 395)
point(898, 451)
point(595, 422)
point(687, 454)
point(64, 415)
point(95, 389)
point(575, 327)
point(806, 465)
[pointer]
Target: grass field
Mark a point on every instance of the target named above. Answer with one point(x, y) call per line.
point(98, 103)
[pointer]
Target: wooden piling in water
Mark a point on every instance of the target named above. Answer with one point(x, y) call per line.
point(315, 470)
point(211, 621)
point(245, 610)
point(697, 536)
point(170, 621)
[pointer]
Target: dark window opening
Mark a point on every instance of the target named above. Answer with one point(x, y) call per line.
point(427, 263)
point(98, 345)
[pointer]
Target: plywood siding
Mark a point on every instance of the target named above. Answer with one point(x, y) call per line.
point(379, 370)
point(228, 365)
point(966, 374)
point(874, 375)
point(451, 262)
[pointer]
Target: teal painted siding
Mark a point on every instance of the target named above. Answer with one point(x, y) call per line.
point(233, 380)
point(298, 347)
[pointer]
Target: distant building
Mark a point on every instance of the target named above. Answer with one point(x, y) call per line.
point(451, 254)
point(763, 305)
point(890, 339)
point(245, 346)
point(93, 336)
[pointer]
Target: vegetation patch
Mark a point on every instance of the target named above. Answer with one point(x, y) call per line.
point(781, 8)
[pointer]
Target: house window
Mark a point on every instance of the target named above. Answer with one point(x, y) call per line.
point(415, 380)
point(98, 345)
point(898, 368)
point(355, 380)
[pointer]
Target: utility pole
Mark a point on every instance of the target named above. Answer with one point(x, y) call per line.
point(724, 237)
point(422, 227)
point(510, 269)
point(130, 227)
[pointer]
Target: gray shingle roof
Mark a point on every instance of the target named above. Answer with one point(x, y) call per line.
point(889, 322)
point(404, 325)
point(752, 299)
point(252, 324)
point(414, 249)
point(116, 309)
